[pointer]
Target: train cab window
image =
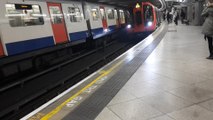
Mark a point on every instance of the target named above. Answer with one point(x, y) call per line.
point(24, 15)
point(56, 15)
point(103, 15)
point(138, 18)
point(122, 16)
point(74, 14)
point(111, 14)
point(95, 14)
point(148, 14)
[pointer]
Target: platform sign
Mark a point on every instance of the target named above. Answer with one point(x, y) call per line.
point(23, 7)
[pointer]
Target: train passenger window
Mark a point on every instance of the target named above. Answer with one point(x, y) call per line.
point(148, 15)
point(24, 15)
point(56, 15)
point(103, 15)
point(111, 14)
point(122, 16)
point(116, 14)
point(74, 14)
point(95, 14)
point(138, 18)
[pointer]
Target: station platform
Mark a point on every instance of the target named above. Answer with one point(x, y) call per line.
point(164, 77)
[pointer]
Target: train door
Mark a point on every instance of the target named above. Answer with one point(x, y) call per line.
point(117, 18)
point(58, 24)
point(103, 17)
point(138, 17)
point(122, 17)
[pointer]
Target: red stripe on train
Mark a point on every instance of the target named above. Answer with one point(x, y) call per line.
point(1, 49)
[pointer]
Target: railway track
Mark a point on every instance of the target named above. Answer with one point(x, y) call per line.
point(20, 97)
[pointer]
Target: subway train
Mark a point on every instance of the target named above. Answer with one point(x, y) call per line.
point(146, 18)
point(31, 25)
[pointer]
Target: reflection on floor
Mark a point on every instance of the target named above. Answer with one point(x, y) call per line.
point(175, 82)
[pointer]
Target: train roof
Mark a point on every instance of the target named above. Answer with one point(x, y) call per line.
point(127, 3)
point(119, 3)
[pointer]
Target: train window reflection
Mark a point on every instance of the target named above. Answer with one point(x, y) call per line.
point(75, 14)
point(122, 16)
point(56, 15)
point(95, 15)
point(24, 15)
point(116, 14)
point(111, 14)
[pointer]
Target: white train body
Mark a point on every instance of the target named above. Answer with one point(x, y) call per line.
point(76, 30)
point(24, 38)
point(32, 25)
point(95, 21)
point(112, 21)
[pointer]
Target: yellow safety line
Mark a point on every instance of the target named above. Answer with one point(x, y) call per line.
point(102, 72)
point(58, 108)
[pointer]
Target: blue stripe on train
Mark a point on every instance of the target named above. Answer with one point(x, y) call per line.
point(113, 27)
point(97, 31)
point(29, 45)
point(78, 36)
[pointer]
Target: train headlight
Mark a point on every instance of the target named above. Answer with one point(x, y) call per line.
point(149, 23)
point(129, 26)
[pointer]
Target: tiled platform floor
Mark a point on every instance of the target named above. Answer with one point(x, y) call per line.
point(175, 82)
